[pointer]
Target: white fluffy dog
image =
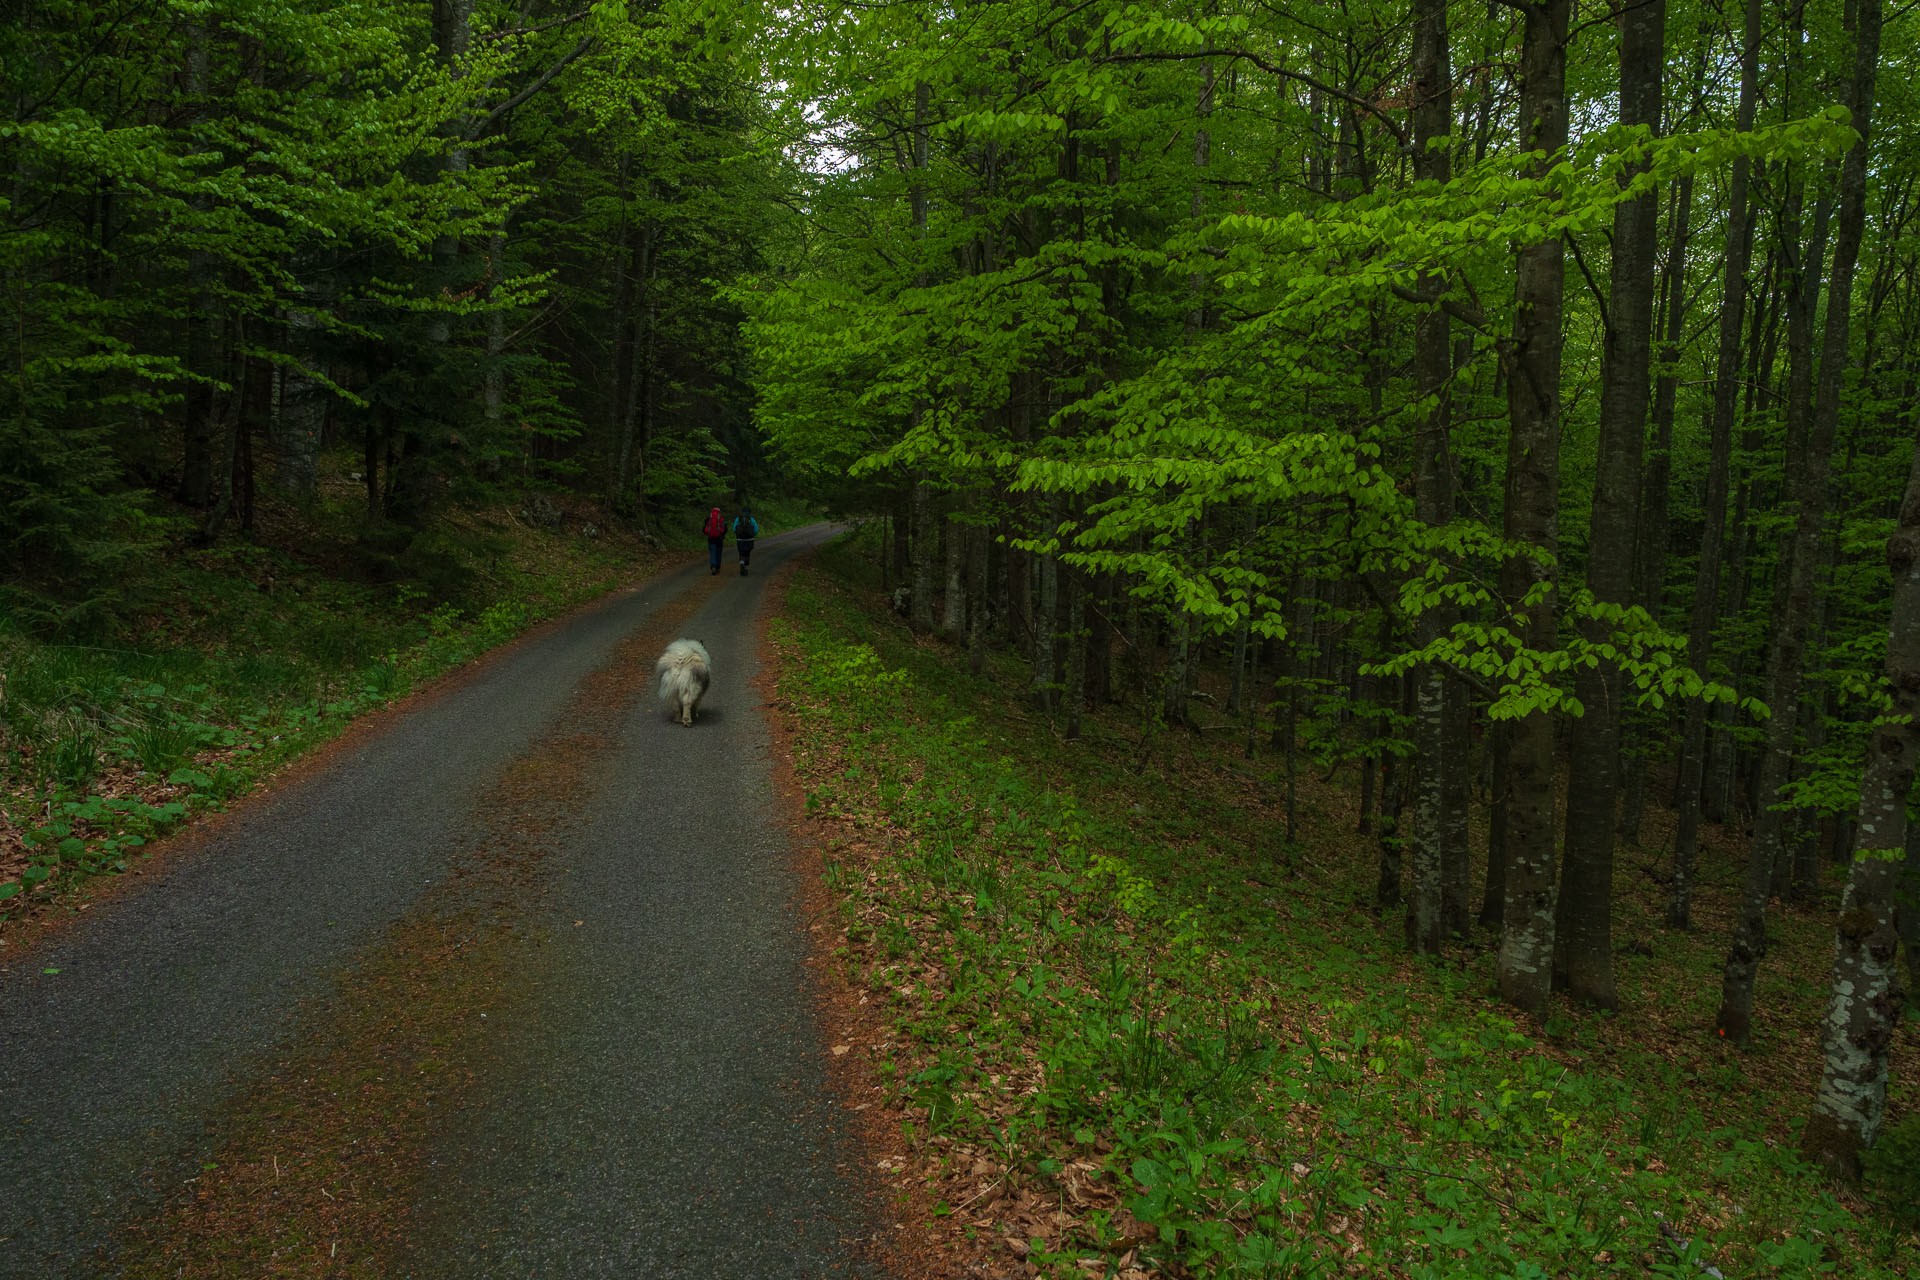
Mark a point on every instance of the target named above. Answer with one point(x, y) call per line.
point(684, 671)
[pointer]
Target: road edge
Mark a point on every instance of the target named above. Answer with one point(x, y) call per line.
point(906, 1244)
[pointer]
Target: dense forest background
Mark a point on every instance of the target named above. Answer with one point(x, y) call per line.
point(1513, 400)
point(467, 247)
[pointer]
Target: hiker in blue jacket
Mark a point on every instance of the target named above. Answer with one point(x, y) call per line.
point(745, 530)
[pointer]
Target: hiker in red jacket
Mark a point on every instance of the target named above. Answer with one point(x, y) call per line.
point(716, 531)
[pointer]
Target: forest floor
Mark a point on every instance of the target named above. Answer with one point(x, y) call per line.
point(1125, 1027)
point(215, 668)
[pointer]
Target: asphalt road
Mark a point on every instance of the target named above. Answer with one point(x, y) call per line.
point(513, 986)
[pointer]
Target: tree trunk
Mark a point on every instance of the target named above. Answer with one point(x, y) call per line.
point(633, 348)
point(494, 381)
point(232, 427)
point(1251, 750)
point(1301, 630)
point(1375, 690)
point(299, 411)
point(1432, 119)
point(1369, 765)
point(1706, 583)
point(921, 605)
point(1493, 902)
point(1907, 903)
point(625, 331)
point(196, 465)
point(978, 538)
point(1173, 701)
point(1456, 798)
point(1003, 587)
point(1237, 683)
point(453, 37)
point(1100, 642)
point(1718, 793)
point(1735, 1020)
point(1800, 880)
point(1042, 689)
point(1583, 925)
point(1386, 891)
point(256, 421)
point(1864, 1010)
point(953, 616)
point(1650, 553)
point(1076, 589)
point(373, 438)
point(902, 523)
point(1531, 364)
point(1425, 922)
point(1179, 680)
point(925, 539)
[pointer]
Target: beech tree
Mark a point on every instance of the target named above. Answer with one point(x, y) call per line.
point(1868, 995)
point(1583, 934)
point(1809, 467)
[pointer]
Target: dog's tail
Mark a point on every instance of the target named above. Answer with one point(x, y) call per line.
point(682, 671)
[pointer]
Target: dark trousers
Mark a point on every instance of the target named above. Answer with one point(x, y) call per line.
point(713, 552)
point(746, 548)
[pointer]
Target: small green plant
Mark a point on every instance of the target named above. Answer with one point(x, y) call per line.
point(503, 619)
point(1893, 1169)
point(75, 756)
point(382, 680)
point(933, 1089)
point(163, 745)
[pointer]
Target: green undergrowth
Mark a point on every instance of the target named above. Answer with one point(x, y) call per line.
point(236, 660)
point(1086, 967)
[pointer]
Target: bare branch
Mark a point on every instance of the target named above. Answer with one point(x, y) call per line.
point(1471, 316)
point(1599, 300)
point(540, 82)
point(1379, 113)
point(515, 33)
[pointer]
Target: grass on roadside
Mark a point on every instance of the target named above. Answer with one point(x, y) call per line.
point(1136, 1033)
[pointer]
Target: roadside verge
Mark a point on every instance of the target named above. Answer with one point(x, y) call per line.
point(914, 1240)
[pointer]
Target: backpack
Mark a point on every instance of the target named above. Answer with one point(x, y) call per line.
point(746, 527)
point(715, 528)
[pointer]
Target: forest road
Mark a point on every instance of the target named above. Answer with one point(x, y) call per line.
point(512, 985)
